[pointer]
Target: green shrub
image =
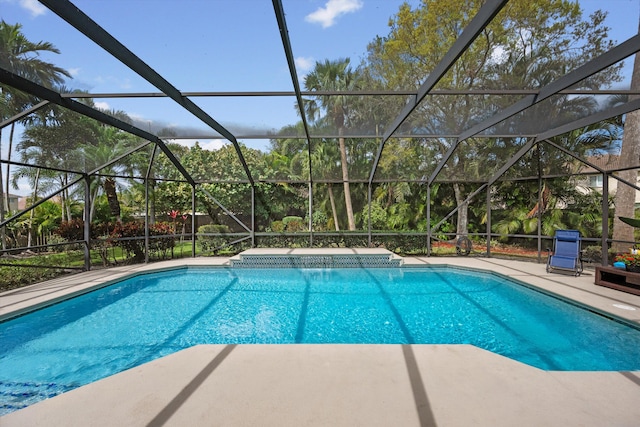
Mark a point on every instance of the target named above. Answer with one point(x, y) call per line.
point(71, 230)
point(161, 245)
point(293, 223)
point(211, 243)
point(320, 220)
point(57, 240)
point(33, 269)
point(592, 254)
point(130, 237)
point(378, 216)
point(74, 230)
point(277, 227)
point(283, 241)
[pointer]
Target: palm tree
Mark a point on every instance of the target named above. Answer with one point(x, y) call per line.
point(334, 76)
point(21, 56)
point(35, 179)
point(111, 144)
point(323, 165)
point(69, 130)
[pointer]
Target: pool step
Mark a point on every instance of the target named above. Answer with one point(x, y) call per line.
point(316, 258)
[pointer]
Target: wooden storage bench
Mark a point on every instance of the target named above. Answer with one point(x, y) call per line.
point(619, 279)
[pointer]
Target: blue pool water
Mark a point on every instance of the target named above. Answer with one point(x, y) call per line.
point(81, 340)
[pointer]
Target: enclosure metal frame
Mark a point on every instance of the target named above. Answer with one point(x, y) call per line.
point(79, 20)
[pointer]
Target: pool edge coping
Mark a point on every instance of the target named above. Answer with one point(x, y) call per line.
point(568, 381)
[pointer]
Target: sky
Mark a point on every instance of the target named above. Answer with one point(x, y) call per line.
point(207, 45)
point(223, 45)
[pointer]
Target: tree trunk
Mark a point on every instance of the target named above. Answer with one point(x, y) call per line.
point(332, 200)
point(93, 205)
point(67, 199)
point(345, 179)
point(152, 202)
point(463, 213)
point(625, 197)
point(63, 212)
point(112, 198)
point(213, 210)
point(32, 211)
point(9, 164)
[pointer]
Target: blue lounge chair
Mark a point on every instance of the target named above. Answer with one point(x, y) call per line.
point(567, 252)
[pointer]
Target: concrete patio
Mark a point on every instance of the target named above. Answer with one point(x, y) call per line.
point(343, 385)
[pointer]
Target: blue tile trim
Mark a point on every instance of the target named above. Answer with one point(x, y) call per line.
point(316, 261)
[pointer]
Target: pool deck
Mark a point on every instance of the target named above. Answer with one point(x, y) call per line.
point(343, 385)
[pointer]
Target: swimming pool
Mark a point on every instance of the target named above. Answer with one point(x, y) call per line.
point(86, 338)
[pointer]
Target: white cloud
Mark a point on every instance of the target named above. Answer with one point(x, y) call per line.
point(74, 71)
point(213, 144)
point(327, 15)
point(102, 105)
point(304, 64)
point(210, 144)
point(138, 118)
point(34, 7)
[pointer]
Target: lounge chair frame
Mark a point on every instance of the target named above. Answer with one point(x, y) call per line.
point(567, 252)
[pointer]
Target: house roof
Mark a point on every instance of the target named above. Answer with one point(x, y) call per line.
point(607, 162)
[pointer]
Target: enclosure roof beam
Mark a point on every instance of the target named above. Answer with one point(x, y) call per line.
point(588, 163)
point(23, 114)
point(575, 156)
point(119, 158)
point(349, 136)
point(613, 56)
point(83, 23)
point(560, 130)
point(227, 211)
point(286, 44)
point(484, 16)
point(47, 168)
point(440, 92)
point(42, 92)
point(457, 208)
point(41, 201)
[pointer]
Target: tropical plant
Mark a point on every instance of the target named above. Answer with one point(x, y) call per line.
point(293, 223)
point(324, 168)
point(111, 144)
point(529, 44)
point(70, 131)
point(212, 236)
point(334, 76)
point(21, 56)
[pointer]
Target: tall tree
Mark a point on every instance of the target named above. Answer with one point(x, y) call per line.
point(323, 164)
point(111, 144)
point(528, 45)
point(334, 76)
point(21, 56)
point(53, 138)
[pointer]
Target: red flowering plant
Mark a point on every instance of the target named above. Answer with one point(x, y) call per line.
point(629, 259)
point(175, 215)
point(178, 220)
